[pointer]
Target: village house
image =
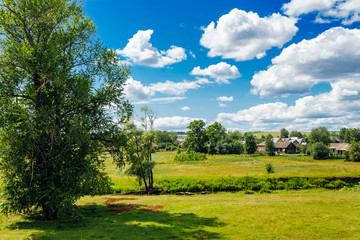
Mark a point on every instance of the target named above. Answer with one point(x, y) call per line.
point(339, 148)
point(285, 147)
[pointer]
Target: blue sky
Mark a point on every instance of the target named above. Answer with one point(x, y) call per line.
point(251, 65)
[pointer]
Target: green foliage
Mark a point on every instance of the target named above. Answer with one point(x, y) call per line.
point(234, 147)
point(250, 144)
point(320, 134)
point(139, 149)
point(320, 151)
point(189, 157)
point(262, 185)
point(284, 133)
point(354, 153)
point(164, 138)
point(214, 134)
point(269, 168)
point(54, 122)
point(349, 135)
point(269, 145)
point(296, 134)
point(196, 136)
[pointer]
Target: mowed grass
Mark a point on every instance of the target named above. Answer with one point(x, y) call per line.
point(306, 214)
point(236, 166)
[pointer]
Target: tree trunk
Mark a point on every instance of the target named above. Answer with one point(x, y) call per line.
point(48, 213)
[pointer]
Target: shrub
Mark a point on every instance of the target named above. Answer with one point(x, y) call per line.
point(269, 168)
point(191, 156)
point(354, 153)
point(320, 151)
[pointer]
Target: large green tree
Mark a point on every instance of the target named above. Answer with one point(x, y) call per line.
point(59, 90)
point(138, 150)
point(215, 133)
point(196, 136)
point(284, 133)
point(250, 144)
point(269, 145)
point(320, 134)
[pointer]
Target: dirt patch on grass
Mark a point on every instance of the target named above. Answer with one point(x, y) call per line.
point(112, 200)
point(122, 208)
point(90, 203)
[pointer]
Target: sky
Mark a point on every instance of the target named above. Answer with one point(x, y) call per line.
point(255, 65)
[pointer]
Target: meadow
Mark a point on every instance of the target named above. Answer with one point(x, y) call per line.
point(225, 166)
point(282, 214)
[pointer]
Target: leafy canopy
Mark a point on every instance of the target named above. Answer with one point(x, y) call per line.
point(59, 91)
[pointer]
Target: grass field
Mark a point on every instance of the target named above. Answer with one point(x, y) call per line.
point(306, 214)
point(238, 166)
point(303, 214)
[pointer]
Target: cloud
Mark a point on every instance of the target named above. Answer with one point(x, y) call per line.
point(185, 108)
point(225, 99)
point(178, 88)
point(244, 35)
point(348, 11)
point(135, 91)
point(299, 7)
point(140, 51)
point(160, 100)
point(221, 104)
point(332, 56)
point(175, 122)
point(221, 72)
point(335, 109)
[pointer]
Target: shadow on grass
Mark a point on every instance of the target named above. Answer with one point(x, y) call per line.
point(99, 223)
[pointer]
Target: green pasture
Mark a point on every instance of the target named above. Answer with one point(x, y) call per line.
point(306, 214)
point(237, 166)
point(302, 214)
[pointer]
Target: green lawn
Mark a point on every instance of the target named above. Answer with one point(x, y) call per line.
point(307, 214)
point(238, 166)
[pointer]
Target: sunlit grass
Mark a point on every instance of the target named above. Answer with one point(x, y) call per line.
point(237, 166)
point(306, 214)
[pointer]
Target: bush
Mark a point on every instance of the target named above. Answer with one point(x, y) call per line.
point(320, 151)
point(354, 153)
point(191, 156)
point(269, 168)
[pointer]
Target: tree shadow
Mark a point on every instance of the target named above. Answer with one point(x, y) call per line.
point(100, 223)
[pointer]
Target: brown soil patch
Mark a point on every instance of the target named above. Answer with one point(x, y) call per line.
point(112, 200)
point(155, 208)
point(90, 203)
point(150, 208)
point(122, 208)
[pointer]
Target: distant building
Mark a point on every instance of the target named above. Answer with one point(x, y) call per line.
point(339, 148)
point(285, 147)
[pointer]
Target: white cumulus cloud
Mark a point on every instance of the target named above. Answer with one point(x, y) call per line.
point(175, 122)
point(185, 108)
point(136, 92)
point(335, 109)
point(178, 88)
point(225, 99)
point(164, 100)
point(332, 56)
point(140, 51)
point(221, 72)
point(348, 11)
point(244, 35)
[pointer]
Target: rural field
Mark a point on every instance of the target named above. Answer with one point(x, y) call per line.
point(281, 214)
